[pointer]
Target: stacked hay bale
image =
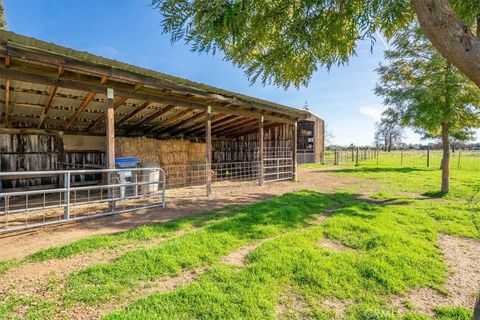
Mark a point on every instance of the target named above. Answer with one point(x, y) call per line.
point(176, 156)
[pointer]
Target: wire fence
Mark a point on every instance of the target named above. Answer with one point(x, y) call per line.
point(459, 159)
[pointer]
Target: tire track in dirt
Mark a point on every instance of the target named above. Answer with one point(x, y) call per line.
point(83, 311)
point(31, 278)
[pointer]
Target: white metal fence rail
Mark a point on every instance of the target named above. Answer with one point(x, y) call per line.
point(144, 188)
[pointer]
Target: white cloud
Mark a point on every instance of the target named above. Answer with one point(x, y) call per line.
point(374, 112)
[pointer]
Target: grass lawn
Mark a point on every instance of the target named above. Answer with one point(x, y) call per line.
point(311, 255)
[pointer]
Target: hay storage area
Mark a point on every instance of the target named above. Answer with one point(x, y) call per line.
point(178, 157)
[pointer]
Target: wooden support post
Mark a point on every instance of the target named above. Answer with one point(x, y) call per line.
point(294, 152)
point(459, 156)
point(208, 150)
point(356, 156)
point(110, 130)
point(7, 102)
point(428, 157)
point(110, 144)
point(260, 151)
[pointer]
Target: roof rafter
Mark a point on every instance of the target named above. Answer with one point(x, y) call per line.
point(169, 121)
point(154, 115)
point(48, 105)
point(181, 123)
point(132, 114)
point(102, 116)
point(82, 107)
point(7, 101)
point(236, 126)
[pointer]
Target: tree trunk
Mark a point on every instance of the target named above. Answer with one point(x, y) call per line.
point(445, 158)
point(476, 312)
point(449, 36)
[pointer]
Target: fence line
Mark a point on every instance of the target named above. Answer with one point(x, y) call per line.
point(459, 159)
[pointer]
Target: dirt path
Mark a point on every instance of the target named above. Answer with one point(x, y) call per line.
point(462, 257)
point(21, 245)
point(33, 278)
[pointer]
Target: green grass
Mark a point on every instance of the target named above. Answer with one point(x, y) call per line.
point(116, 240)
point(394, 250)
point(143, 233)
point(391, 241)
point(198, 248)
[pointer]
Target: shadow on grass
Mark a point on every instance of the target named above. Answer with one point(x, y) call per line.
point(434, 194)
point(203, 247)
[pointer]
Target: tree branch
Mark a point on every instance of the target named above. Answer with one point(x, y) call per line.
point(449, 36)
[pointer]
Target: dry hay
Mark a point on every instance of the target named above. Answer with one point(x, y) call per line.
point(163, 152)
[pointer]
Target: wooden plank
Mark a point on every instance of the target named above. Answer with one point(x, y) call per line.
point(216, 120)
point(190, 124)
point(102, 116)
point(169, 121)
point(48, 105)
point(239, 133)
point(6, 104)
point(96, 68)
point(154, 115)
point(110, 138)
point(231, 122)
point(208, 150)
point(241, 125)
point(132, 114)
point(181, 123)
point(41, 77)
point(294, 152)
point(260, 150)
point(82, 107)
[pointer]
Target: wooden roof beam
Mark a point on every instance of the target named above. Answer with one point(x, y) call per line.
point(124, 90)
point(220, 123)
point(6, 105)
point(28, 53)
point(253, 130)
point(47, 107)
point(102, 116)
point(169, 121)
point(234, 126)
point(154, 115)
point(82, 107)
point(132, 114)
point(182, 123)
point(190, 123)
point(201, 126)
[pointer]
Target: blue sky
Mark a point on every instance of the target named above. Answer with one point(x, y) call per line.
point(130, 31)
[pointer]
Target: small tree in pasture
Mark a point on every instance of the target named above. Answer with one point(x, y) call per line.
point(426, 92)
point(388, 134)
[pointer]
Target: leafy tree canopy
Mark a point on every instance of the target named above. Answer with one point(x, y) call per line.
point(284, 42)
point(3, 19)
point(425, 90)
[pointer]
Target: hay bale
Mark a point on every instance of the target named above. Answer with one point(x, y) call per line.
point(196, 153)
point(163, 152)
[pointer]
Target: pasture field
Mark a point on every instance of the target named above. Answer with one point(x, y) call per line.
point(460, 159)
point(380, 244)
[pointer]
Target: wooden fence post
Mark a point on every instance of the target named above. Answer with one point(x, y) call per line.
point(459, 156)
point(356, 157)
point(428, 157)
